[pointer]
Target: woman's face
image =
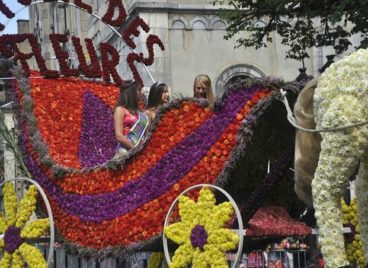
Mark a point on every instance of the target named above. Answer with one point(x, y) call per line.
point(165, 96)
point(199, 90)
point(139, 93)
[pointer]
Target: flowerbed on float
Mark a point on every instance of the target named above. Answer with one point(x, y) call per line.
point(275, 221)
point(104, 206)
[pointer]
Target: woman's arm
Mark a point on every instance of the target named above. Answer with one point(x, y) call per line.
point(119, 115)
point(151, 115)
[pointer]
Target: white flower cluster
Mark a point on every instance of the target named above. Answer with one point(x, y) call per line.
point(340, 99)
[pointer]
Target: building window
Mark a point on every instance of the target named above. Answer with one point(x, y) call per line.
point(198, 25)
point(219, 25)
point(178, 25)
point(234, 74)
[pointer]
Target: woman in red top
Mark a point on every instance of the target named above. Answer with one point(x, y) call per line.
point(127, 114)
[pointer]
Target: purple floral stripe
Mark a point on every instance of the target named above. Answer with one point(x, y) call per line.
point(97, 140)
point(157, 180)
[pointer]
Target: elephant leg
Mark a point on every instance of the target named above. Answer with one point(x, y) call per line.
point(362, 198)
point(340, 153)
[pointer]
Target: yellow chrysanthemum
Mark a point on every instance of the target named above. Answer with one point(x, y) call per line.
point(16, 252)
point(201, 234)
point(354, 249)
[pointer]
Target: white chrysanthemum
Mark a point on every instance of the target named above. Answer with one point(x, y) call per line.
point(340, 99)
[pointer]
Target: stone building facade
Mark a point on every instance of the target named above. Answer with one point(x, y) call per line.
point(53, 17)
point(192, 33)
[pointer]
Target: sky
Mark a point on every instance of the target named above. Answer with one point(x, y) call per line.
point(14, 6)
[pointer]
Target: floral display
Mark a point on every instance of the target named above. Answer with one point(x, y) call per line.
point(101, 204)
point(341, 99)
point(62, 55)
point(93, 70)
point(108, 17)
point(110, 57)
point(16, 252)
point(133, 30)
point(200, 232)
point(7, 12)
point(156, 260)
point(354, 250)
point(275, 221)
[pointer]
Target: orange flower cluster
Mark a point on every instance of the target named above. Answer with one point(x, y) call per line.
point(59, 117)
point(173, 127)
point(58, 107)
point(147, 221)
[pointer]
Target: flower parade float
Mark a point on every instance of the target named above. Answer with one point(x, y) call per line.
point(340, 102)
point(105, 206)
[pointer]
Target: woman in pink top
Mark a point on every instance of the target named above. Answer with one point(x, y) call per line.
point(127, 115)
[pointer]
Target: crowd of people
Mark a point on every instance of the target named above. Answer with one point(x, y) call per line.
point(131, 120)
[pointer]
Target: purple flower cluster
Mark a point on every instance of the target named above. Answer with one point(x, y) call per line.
point(198, 236)
point(157, 180)
point(97, 140)
point(12, 239)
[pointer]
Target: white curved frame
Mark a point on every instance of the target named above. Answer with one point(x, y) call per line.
point(49, 212)
point(237, 212)
point(92, 14)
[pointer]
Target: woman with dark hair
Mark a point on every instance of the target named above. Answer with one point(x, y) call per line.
point(158, 95)
point(129, 121)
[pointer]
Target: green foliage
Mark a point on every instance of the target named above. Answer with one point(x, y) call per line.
point(301, 24)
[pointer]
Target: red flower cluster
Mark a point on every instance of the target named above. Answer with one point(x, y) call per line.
point(133, 57)
point(275, 221)
point(27, 2)
point(109, 65)
point(59, 121)
point(148, 219)
point(93, 70)
point(109, 55)
point(13, 40)
point(107, 18)
point(58, 106)
point(7, 12)
point(83, 5)
point(174, 126)
point(61, 55)
point(133, 30)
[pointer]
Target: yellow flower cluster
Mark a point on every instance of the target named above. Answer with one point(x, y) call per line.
point(32, 255)
point(200, 233)
point(10, 204)
point(26, 207)
point(156, 260)
point(18, 218)
point(354, 249)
